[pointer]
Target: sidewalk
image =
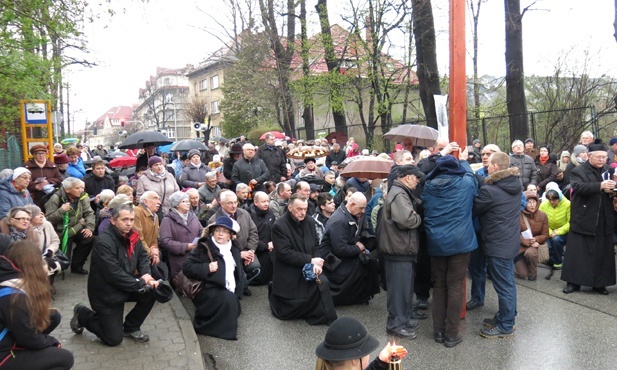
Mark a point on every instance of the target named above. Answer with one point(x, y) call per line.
point(173, 343)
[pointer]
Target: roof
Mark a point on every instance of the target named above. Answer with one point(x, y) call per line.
point(115, 114)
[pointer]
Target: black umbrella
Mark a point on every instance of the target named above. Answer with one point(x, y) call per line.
point(116, 154)
point(128, 172)
point(219, 139)
point(186, 145)
point(139, 140)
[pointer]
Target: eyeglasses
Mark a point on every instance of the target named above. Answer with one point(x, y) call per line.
point(40, 153)
point(222, 231)
point(185, 201)
point(22, 219)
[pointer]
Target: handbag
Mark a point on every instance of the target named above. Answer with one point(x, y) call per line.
point(190, 287)
point(62, 260)
point(187, 287)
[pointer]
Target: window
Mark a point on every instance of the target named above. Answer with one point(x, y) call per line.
point(166, 81)
point(169, 98)
point(215, 107)
point(214, 82)
point(203, 84)
point(171, 133)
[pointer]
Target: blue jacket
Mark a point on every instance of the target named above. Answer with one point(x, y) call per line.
point(77, 170)
point(11, 197)
point(448, 204)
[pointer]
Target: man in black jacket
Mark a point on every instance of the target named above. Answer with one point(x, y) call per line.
point(116, 254)
point(263, 218)
point(274, 158)
point(295, 246)
point(336, 155)
point(498, 205)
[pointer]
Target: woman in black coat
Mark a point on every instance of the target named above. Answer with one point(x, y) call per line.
point(216, 261)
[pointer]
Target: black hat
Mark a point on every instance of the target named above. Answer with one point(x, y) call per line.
point(309, 159)
point(163, 293)
point(410, 169)
point(346, 339)
point(235, 149)
point(597, 145)
point(334, 163)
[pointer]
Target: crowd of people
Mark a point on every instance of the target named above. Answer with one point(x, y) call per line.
point(241, 215)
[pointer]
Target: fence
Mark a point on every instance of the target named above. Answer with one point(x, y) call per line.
point(560, 128)
point(11, 156)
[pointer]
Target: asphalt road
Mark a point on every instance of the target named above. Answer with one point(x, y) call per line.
point(554, 330)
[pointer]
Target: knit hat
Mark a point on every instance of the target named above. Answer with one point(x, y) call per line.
point(61, 159)
point(20, 171)
point(531, 195)
point(530, 140)
point(176, 198)
point(446, 165)
point(476, 141)
point(578, 150)
point(154, 160)
point(193, 152)
point(565, 153)
point(236, 149)
point(38, 148)
point(613, 141)
point(309, 159)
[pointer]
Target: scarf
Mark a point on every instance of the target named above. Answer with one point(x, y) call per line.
point(580, 160)
point(159, 175)
point(193, 165)
point(230, 264)
point(184, 217)
point(17, 235)
point(543, 159)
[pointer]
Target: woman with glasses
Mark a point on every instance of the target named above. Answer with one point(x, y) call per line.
point(49, 242)
point(14, 190)
point(17, 225)
point(216, 261)
point(178, 231)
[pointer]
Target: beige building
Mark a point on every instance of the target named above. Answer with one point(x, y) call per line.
point(162, 104)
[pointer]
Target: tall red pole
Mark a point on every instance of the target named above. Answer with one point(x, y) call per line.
point(458, 88)
point(458, 78)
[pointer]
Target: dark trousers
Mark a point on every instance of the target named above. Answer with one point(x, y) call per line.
point(400, 280)
point(422, 283)
point(106, 322)
point(449, 277)
point(80, 253)
point(477, 270)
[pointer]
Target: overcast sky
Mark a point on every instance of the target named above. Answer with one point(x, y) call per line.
point(129, 46)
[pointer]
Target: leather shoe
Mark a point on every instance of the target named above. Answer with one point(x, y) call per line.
point(472, 305)
point(79, 271)
point(415, 314)
point(247, 292)
point(75, 326)
point(601, 290)
point(439, 337)
point(403, 333)
point(532, 278)
point(452, 342)
point(571, 288)
point(422, 304)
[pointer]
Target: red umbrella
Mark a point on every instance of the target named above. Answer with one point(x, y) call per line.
point(368, 167)
point(123, 162)
point(341, 137)
point(277, 135)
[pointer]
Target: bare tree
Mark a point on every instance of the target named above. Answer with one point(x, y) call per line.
point(474, 7)
point(426, 58)
point(307, 97)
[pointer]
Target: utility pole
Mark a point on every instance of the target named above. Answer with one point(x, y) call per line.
point(68, 109)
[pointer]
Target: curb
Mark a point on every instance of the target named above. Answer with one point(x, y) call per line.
point(193, 350)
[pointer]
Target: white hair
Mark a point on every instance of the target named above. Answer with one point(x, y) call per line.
point(71, 182)
point(147, 194)
point(106, 195)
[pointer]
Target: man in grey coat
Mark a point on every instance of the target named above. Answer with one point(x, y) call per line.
point(524, 163)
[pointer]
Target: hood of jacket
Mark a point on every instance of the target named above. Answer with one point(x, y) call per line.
point(6, 185)
point(507, 179)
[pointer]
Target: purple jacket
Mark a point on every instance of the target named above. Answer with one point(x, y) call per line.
point(174, 236)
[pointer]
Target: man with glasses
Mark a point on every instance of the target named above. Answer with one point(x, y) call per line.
point(14, 190)
point(45, 174)
point(247, 236)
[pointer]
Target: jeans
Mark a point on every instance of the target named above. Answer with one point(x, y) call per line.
point(477, 270)
point(555, 248)
point(502, 273)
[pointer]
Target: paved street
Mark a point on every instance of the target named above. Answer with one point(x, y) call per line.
point(554, 331)
point(576, 331)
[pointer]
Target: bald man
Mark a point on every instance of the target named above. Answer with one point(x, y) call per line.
point(346, 239)
point(250, 169)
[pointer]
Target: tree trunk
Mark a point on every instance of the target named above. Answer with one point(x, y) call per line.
point(515, 76)
point(307, 114)
point(426, 57)
point(338, 109)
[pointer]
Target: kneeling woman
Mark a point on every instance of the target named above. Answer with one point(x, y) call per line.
point(216, 261)
point(25, 313)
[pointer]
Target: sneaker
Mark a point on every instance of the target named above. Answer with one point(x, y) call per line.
point(138, 336)
point(490, 322)
point(557, 266)
point(495, 332)
point(75, 327)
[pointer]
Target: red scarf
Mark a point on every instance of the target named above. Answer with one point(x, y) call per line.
point(132, 238)
point(543, 159)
